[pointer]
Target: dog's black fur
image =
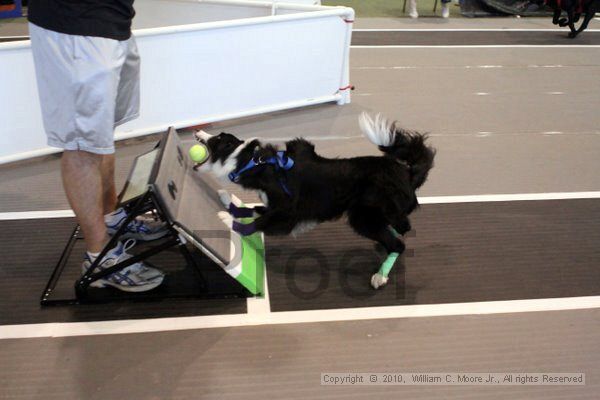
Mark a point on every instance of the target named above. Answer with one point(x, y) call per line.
point(375, 192)
point(574, 10)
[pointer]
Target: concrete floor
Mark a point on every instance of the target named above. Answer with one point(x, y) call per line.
point(535, 127)
point(286, 361)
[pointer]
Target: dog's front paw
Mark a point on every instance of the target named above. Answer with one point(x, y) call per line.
point(226, 218)
point(225, 197)
point(572, 35)
point(378, 280)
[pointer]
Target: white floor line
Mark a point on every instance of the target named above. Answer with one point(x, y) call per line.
point(448, 134)
point(293, 317)
point(464, 30)
point(476, 198)
point(595, 133)
point(22, 37)
point(260, 305)
point(448, 67)
point(476, 46)
point(553, 133)
point(316, 138)
point(484, 198)
point(36, 214)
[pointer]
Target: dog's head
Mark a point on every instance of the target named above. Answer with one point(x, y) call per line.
point(223, 150)
point(220, 147)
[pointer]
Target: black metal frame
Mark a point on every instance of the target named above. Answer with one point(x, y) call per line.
point(148, 202)
point(145, 204)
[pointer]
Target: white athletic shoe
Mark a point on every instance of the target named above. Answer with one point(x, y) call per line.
point(445, 10)
point(142, 228)
point(134, 278)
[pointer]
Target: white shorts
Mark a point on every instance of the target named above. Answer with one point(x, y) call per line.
point(87, 86)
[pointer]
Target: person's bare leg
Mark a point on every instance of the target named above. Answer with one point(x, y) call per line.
point(109, 193)
point(82, 181)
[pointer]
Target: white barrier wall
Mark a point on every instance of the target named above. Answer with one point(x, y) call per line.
point(205, 72)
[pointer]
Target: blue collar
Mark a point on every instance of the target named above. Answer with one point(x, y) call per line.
point(280, 161)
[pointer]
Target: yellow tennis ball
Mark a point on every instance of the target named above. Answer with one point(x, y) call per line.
point(198, 153)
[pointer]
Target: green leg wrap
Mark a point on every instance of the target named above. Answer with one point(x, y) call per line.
point(388, 264)
point(394, 232)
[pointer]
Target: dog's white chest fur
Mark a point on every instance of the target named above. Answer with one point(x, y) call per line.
point(303, 227)
point(300, 228)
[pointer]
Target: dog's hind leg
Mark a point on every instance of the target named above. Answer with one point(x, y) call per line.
point(382, 276)
point(588, 17)
point(556, 16)
point(401, 226)
point(370, 223)
point(571, 16)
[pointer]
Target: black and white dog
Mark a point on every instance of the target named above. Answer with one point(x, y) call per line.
point(299, 188)
point(574, 10)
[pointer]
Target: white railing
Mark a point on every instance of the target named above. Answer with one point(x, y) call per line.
point(290, 55)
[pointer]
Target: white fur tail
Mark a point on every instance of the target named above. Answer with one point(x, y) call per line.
point(379, 130)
